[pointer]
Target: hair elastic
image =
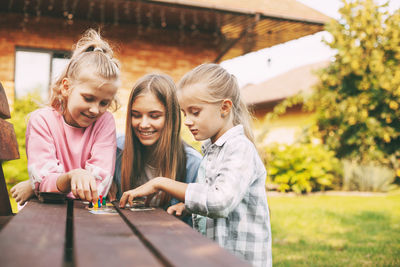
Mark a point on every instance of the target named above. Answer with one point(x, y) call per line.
point(98, 49)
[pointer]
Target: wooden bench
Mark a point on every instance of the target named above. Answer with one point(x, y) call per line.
point(69, 235)
point(8, 151)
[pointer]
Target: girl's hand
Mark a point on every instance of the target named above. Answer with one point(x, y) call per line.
point(22, 192)
point(83, 185)
point(146, 189)
point(177, 209)
point(112, 193)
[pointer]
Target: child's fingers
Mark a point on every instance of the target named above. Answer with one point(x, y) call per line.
point(130, 199)
point(73, 188)
point(171, 210)
point(93, 189)
point(86, 191)
point(123, 199)
point(79, 190)
point(178, 212)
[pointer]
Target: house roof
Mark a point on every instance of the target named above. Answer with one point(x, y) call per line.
point(285, 9)
point(237, 27)
point(285, 85)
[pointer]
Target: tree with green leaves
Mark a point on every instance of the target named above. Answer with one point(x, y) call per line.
point(16, 170)
point(357, 101)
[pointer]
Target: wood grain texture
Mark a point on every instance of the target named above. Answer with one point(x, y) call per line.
point(4, 108)
point(106, 240)
point(35, 236)
point(8, 142)
point(5, 206)
point(177, 242)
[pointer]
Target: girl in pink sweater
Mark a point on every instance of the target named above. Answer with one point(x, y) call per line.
point(71, 144)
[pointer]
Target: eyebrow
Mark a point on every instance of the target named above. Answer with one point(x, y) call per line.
point(153, 111)
point(94, 96)
point(193, 107)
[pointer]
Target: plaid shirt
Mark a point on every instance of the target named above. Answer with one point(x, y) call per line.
point(230, 192)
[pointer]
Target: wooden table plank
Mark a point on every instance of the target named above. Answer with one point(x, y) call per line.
point(4, 108)
point(177, 242)
point(8, 141)
point(35, 236)
point(106, 240)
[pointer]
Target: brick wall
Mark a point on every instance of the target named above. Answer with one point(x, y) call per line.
point(151, 51)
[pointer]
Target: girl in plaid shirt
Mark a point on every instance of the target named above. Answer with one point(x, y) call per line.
point(228, 202)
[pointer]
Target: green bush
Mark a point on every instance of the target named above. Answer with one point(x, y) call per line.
point(16, 170)
point(301, 167)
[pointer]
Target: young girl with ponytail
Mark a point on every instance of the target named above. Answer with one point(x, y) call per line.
point(71, 144)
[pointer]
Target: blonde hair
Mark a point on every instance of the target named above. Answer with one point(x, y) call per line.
point(169, 152)
point(220, 85)
point(92, 59)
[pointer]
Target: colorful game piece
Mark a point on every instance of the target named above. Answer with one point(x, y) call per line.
point(104, 201)
point(99, 203)
point(90, 205)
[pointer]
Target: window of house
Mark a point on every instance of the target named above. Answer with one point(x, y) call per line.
point(36, 69)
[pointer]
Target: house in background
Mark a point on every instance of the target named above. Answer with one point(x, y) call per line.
point(263, 97)
point(149, 36)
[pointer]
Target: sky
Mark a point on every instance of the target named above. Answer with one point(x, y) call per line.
point(256, 67)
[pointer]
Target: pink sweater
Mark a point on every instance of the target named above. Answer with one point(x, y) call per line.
point(53, 147)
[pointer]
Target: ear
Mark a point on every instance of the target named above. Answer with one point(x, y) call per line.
point(226, 107)
point(65, 88)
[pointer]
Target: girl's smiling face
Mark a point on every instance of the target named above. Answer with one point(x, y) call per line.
point(86, 101)
point(148, 118)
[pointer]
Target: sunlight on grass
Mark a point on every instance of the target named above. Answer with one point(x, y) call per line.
point(336, 230)
point(14, 205)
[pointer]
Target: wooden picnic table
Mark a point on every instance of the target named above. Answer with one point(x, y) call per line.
point(68, 234)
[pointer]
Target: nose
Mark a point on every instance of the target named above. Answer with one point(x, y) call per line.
point(94, 108)
point(188, 121)
point(144, 123)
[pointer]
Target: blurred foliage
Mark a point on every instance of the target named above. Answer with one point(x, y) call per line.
point(301, 167)
point(357, 99)
point(16, 170)
point(367, 177)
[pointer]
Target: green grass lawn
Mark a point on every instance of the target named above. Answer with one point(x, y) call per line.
point(321, 230)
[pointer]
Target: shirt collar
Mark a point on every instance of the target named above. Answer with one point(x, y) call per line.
point(232, 132)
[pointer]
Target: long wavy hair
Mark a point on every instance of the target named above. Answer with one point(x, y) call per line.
point(169, 154)
point(92, 60)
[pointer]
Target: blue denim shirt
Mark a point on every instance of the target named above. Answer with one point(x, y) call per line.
point(193, 159)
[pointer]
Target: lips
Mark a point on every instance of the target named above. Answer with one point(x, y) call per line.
point(88, 116)
point(195, 131)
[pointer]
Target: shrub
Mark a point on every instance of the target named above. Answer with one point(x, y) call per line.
point(367, 177)
point(16, 170)
point(301, 167)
